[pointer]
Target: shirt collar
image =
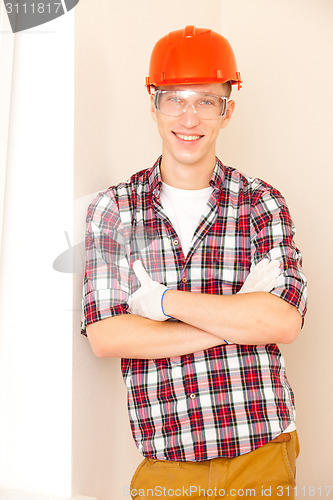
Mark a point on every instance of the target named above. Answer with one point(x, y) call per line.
point(155, 180)
point(216, 181)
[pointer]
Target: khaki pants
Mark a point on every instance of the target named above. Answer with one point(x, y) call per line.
point(267, 472)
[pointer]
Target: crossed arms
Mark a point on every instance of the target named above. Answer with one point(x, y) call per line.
point(205, 320)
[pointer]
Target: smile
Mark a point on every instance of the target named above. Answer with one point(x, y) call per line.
point(188, 137)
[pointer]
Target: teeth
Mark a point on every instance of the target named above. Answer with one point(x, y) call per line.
point(188, 137)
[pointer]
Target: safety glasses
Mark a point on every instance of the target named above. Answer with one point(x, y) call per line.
point(176, 102)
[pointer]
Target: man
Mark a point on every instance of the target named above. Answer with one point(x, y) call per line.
point(181, 283)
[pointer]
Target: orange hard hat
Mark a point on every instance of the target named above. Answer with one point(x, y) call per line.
point(192, 55)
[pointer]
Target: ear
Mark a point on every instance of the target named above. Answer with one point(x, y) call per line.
point(152, 108)
point(229, 113)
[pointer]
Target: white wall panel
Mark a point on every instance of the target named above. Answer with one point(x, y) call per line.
point(36, 301)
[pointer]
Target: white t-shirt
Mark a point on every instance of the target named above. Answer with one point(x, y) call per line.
point(184, 208)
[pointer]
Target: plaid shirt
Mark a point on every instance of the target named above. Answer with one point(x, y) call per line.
point(226, 400)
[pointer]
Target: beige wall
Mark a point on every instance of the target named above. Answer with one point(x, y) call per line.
point(281, 132)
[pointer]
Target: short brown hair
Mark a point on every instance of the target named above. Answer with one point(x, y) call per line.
point(227, 88)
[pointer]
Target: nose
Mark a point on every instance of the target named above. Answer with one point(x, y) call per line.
point(189, 117)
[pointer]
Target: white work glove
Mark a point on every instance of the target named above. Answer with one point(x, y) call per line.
point(147, 301)
point(263, 277)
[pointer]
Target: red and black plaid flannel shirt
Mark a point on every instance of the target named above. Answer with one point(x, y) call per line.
point(227, 400)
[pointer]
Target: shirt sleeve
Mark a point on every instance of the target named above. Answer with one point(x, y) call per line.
point(106, 285)
point(272, 236)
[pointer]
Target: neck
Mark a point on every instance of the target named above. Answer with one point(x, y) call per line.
point(187, 176)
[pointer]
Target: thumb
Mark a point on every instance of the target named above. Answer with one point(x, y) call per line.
point(141, 273)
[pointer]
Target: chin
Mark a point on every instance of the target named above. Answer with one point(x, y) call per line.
point(188, 161)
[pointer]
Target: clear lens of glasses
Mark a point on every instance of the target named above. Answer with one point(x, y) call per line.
point(176, 102)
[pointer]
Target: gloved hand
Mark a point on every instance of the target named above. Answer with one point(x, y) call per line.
point(263, 277)
point(147, 301)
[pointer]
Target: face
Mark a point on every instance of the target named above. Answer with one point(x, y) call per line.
point(187, 139)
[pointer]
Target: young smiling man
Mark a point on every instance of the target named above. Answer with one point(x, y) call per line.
point(192, 278)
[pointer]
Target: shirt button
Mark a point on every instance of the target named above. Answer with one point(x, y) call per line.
point(175, 242)
point(192, 396)
point(184, 280)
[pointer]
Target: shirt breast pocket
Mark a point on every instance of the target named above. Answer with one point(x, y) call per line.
point(232, 269)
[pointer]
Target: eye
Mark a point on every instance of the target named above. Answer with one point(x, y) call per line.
point(207, 102)
point(174, 99)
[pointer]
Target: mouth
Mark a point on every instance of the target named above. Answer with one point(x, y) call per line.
point(188, 138)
